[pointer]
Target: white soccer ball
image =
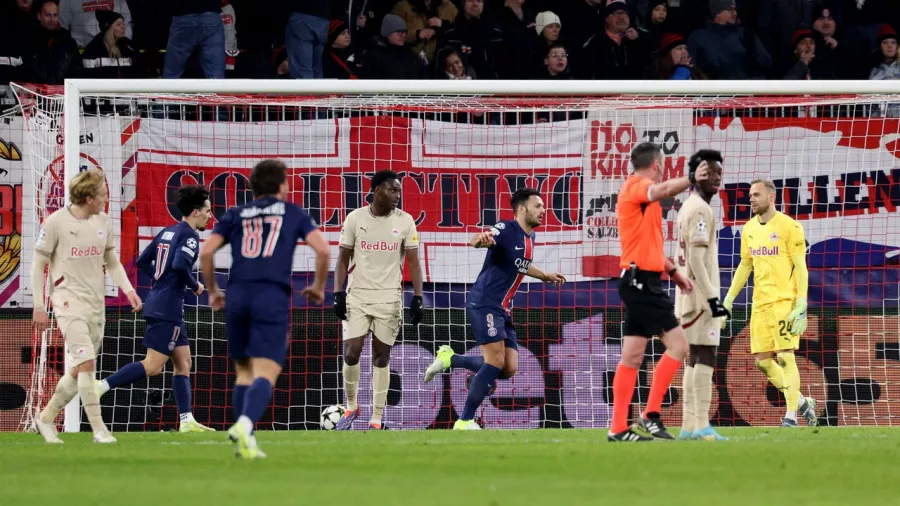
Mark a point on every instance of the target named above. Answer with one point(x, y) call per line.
point(330, 417)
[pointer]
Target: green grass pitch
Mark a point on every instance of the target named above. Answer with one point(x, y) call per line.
point(773, 466)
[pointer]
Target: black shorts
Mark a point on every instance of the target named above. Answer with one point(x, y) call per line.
point(649, 311)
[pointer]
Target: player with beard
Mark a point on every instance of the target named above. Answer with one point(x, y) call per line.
point(773, 248)
point(509, 259)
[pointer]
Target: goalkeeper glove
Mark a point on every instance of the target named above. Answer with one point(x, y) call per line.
point(797, 319)
point(718, 309)
point(416, 307)
point(727, 304)
point(340, 305)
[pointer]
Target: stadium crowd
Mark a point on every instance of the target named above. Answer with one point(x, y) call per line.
point(46, 41)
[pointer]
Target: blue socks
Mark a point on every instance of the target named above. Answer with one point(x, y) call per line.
point(466, 362)
point(181, 385)
point(479, 389)
point(257, 399)
point(237, 399)
point(127, 375)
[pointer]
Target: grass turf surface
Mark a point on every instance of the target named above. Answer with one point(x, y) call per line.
point(841, 466)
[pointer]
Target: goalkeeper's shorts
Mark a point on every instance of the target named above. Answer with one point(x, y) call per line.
point(769, 328)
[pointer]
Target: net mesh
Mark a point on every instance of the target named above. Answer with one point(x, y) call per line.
point(832, 159)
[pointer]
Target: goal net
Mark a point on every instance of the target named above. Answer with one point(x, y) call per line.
point(833, 159)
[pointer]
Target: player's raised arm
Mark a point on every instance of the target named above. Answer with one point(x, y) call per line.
point(672, 187)
point(117, 271)
point(484, 239)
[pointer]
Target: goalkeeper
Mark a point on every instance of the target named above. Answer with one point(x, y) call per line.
point(773, 247)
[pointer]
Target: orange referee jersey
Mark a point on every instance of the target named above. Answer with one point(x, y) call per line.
point(640, 226)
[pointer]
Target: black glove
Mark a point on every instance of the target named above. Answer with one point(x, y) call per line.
point(718, 309)
point(340, 305)
point(416, 307)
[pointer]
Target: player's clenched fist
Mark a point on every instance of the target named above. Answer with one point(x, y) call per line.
point(216, 300)
point(314, 294)
point(483, 240)
point(555, 278)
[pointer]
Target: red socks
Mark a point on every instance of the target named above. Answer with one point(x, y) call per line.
point(623, 391)
point(662, 378)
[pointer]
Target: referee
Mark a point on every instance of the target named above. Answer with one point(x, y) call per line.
point(648, 309)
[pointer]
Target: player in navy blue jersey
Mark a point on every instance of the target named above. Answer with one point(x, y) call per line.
point(510, 253)
point(263, 235)
point(169, 261)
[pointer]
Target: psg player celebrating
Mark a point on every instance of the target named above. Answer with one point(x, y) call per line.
point(510, 253)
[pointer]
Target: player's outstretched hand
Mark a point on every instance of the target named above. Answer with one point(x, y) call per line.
point(136, 303)
point(199, 289)
point(555, 278)
point(40, 320)
point(340, 305)
point(417, 308)
point(483, 240)
point(313, 294)
point(216, 300)
point(686, 285)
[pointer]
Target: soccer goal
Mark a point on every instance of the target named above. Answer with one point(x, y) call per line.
point(831, 148)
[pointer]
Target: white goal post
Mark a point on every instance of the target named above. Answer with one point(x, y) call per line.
point(635, 102)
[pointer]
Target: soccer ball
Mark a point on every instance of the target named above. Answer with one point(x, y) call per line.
point(330, 417)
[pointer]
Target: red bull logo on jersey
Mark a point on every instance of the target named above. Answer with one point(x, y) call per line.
point(379, 245)
point(92, 251)
point(764, 251)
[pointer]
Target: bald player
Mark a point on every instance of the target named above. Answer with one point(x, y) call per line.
point(77, 242)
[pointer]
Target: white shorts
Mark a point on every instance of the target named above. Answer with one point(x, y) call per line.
point(701, 328)
point(382, 319)
point(83, 338)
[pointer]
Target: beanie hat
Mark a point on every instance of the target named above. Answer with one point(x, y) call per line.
point(106, 19)
point(392, 23)
point(825, 11)
point(717, 6)
point(669, 41)
point(886, 32)
point(799, 35)
point(656, 3)
point(545, 19)
point(613, 6)
point(335, 28)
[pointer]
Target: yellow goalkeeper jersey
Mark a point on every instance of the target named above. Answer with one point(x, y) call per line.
point(770, 247)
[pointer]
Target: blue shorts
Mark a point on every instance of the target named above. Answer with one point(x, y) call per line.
point(164, 335)
point(257, 322)
point(492, 324)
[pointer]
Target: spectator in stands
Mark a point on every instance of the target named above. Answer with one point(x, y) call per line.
point(556, 63)
point(476, 39)
point(517, 23)
point(836, 55)
point(582, 19)
point(111, 55)
point(615, 52)
point(390, 58)
point(656, 23)
point(426, 20)
point(778, 22)
point(804, 45)
point(863, 19)
point(17, 27)
point(196, 25)
point(339, 62)
point(888, 56)
point(78, 17)
point(451, 66)
point(305, 37)
point(672, 60)
point(229, 23)
point(720, 49)
point(548, 26)
point(53, 55)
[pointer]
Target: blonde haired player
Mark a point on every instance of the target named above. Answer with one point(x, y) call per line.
point(773, 247)
point(77, 241)
point(699, 311)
